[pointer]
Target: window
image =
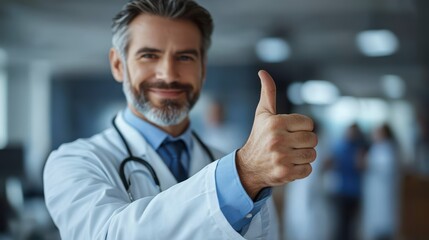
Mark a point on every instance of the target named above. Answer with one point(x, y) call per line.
point(3, 99)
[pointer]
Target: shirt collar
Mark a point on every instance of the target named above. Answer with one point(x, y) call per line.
point(153, 135)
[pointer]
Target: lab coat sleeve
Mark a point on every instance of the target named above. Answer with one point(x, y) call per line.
point(86, 201)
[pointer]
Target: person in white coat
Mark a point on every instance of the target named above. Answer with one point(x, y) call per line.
point(149, 176)
point(381, 187)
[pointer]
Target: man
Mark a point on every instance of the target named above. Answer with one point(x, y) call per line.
point(347, 164)
point(159, 54)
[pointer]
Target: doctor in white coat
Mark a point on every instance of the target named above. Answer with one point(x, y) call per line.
point(94, 191)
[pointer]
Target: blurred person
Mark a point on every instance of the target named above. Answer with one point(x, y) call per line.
point(149, 176)
point(218, 132)
point(422, 142)
point(381, 187)
point(347, 167)
point(5, 212)
point(9, 217)
point(306, 211)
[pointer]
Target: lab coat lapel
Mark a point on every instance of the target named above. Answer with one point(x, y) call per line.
point(140, 148)
point(199, 158)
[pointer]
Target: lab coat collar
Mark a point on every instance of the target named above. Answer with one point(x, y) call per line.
point(140, 148)
point(154, 135)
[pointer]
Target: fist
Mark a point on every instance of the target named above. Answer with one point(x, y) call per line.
point(280, 147)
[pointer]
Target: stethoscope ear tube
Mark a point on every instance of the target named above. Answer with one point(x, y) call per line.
point(122, 137)
point(202, 144)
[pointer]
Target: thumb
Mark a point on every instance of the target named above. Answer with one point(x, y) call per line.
point(267, 102)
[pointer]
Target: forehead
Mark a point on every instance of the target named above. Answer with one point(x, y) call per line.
point(163, 33)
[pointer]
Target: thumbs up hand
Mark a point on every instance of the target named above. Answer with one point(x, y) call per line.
point(280, 147)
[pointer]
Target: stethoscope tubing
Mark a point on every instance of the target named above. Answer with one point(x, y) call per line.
point(145, 163)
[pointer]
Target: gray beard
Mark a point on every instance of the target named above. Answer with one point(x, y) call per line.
point(171, 113)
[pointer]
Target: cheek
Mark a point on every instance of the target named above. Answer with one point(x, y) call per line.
point(196, 74)
point(137, 74)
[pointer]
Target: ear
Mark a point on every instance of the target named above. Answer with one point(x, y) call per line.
point(116, 65)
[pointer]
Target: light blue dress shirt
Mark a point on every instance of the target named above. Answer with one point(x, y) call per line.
point(234, 202)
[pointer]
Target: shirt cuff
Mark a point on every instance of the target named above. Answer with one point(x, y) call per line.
point(235, 204)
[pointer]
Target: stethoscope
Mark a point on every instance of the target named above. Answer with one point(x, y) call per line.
point(132, 158)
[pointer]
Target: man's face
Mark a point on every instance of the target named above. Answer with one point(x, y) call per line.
point(164, 68)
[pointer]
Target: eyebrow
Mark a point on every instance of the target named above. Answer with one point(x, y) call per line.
point(189, 51)
point(193, 52)
point(147, 50)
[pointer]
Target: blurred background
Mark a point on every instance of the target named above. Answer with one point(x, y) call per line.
point(359, 68)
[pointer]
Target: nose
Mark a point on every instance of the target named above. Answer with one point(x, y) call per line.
point(167, 70)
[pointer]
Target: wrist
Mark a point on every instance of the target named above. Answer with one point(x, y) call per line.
point(249, 178)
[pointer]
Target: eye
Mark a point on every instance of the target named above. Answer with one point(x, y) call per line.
point(185, 58)
point(149, 56)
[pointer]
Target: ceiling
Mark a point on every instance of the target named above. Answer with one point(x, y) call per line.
point(75, 35)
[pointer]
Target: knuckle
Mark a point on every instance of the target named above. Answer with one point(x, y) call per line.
point(308, 154)
point(279, 175)
point(276, 142)
point(305, 138)
point(305, 121)
point(308, 138)
point(277, 159)
point(275, 123)
point(309, 123)
point(294, 117)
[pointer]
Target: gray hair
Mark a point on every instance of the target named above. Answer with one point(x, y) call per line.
point(173, 9)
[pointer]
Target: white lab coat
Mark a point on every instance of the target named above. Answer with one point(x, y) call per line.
point(87, 200)
point(381, 191)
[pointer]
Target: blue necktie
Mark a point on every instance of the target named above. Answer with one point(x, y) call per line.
point(171, 152)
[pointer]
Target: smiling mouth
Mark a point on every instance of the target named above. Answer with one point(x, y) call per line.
point(167, 93)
